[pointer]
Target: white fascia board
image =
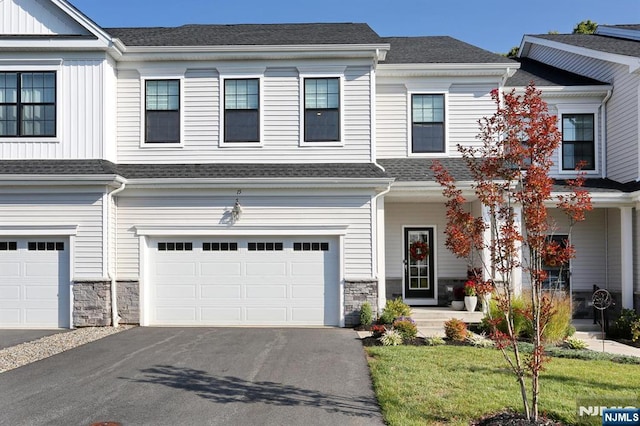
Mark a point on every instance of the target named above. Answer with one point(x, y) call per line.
point(28, 229)
point(260, 183)
point(187, 230)
point(57, 180)
point(566, 91)
point(500, 70)
point(632, 62)
point(141, 53)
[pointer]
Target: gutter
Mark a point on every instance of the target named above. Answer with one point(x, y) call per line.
point(115, 318)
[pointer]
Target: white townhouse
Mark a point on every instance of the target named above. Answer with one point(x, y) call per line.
point(256, 174)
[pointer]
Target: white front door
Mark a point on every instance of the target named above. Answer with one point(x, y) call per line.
point(244, 281)
point(34, 282)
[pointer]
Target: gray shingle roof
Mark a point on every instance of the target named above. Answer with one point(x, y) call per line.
point(437, 49)
point(545, 75)
point(419, 169)
point(191, 171)
point(248, 34)
point(597, 42)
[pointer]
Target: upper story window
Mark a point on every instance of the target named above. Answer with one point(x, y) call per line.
point(27, 104)
point(162, 111)
point(578, 141)
point(427, 124)
point(241, 110)
point(321, 109)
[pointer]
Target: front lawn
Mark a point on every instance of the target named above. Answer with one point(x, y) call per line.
point(418, 385)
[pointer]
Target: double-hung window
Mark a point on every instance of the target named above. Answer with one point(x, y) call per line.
point(321, 109)
point(162, 111)
point(578, 141)
point(27, 104)
point(427, 123)
point(242, 110)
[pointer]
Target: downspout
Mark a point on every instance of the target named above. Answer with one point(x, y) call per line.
point(115, 318)
point(376, 244)
point(603, 131)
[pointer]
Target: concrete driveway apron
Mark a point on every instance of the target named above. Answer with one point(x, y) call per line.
point(198, 376)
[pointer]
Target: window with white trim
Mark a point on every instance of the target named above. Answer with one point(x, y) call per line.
point(578, 141)
point(427, 123)
point(162, 111)
point(28, 104)
point(242, 110)
point(322, 109)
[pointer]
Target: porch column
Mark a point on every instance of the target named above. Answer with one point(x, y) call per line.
point(626, 256)
point(380, 252)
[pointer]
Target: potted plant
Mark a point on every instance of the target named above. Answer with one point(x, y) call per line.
point(457, 304)
point(470, 298)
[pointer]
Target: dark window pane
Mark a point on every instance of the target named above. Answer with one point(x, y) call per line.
point(60, 246)
point(51, 246)
point(42, 246)
point(224, 246)
point(241, 126)
point(31, 246)
point(261, 246)
point(206, 246)
point(252, 246)
point(162, 246)
point(428, 138)
point(163, 126)
point(180, 246)
point(427, 123)
point(297, 246)
point(188, 246)
point(578, 143)
point(4, 245)
point(306, 246)
point(324, 246)
point(233, 246)
point(322, 125)
point(315, 246)
point(279, 246)
point(269, 246)
point(171, 246)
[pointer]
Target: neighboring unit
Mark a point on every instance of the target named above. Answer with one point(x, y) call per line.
point(274, 174)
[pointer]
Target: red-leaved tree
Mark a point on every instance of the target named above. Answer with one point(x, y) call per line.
point(510, 170)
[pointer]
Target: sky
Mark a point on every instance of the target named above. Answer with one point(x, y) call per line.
point(494, 25)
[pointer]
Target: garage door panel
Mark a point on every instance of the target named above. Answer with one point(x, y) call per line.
point(266, 315)
point(266, 292)
point(10, 269)
point(175, 269)
point(307, 292)
point(221, 269)
point(263, 269)
point(308, 269)
point(40, 316)
point(182, 315)
point(215, 292)
point(307, 315)
point(41, 269)
point(10, 293)
point(41, 293)
point(221, 315)
point(181, 292)
point(9, 316)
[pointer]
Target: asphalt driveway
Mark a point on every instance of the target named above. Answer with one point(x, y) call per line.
point(203, 376)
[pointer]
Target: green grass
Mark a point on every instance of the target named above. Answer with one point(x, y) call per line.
point(418, 385)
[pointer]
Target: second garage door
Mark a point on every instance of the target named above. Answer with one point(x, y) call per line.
point(244, 281)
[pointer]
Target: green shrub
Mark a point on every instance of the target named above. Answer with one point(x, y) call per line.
point(520, 322)
point(394, 309)
point(559, 325)
point(406, 327)
point(435, 341)
point(391, 338)
point(366, 314)
point(622, 327)
point(455, 329)
point(635, 331)
point(575, 343)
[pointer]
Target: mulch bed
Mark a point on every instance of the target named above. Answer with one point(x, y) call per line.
point(510, 418)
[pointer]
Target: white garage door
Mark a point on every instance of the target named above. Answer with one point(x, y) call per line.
point(244, 281)
point(34, 282)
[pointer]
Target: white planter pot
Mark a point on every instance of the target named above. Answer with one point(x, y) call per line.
point(470, 302)
point(457, 305)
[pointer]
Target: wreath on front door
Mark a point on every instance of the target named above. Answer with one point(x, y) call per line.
point(419, 250)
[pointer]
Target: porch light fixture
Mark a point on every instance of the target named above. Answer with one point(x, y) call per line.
point(236, 211)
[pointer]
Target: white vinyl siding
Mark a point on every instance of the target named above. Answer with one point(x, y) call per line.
point(281, 126)
point(417, 215)
point(155, 209)
point(35, 17)
point(59, 208)
point(622, 108)
point(465, 105)
point(80, 111)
